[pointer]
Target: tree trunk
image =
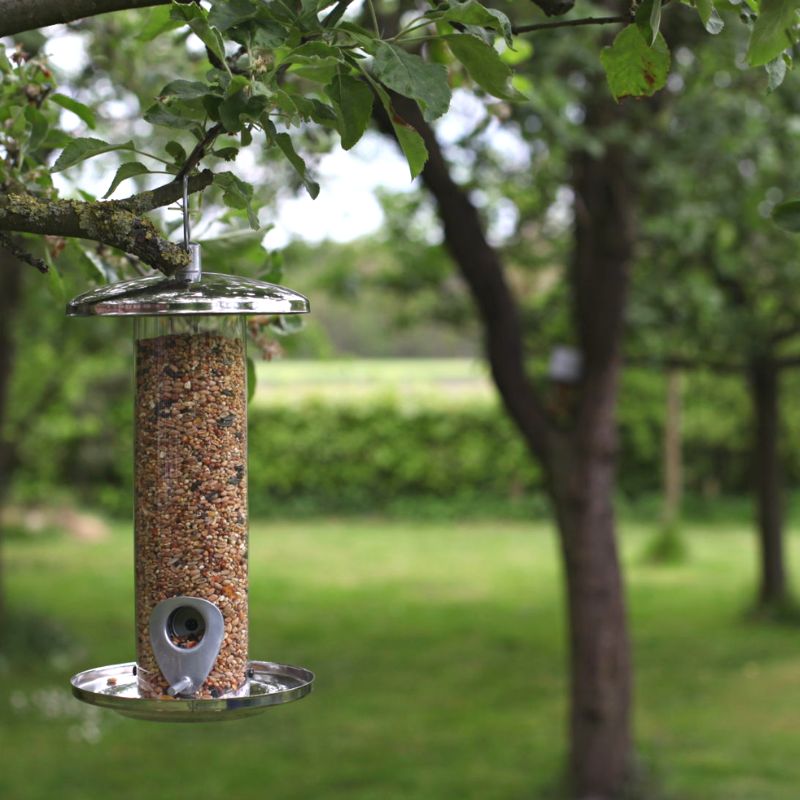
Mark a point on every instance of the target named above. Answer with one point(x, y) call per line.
point(10, 298)
point(583, 470)
point(673, 466)
point(768, 483)
point(580, 464)
point(600, 666)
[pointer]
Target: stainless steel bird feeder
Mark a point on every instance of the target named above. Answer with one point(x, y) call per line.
point(190, 498)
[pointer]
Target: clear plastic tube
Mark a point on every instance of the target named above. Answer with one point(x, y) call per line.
point(190, 495)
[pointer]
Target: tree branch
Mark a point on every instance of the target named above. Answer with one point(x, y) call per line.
point(17, 16)
point(163, 195)
point(117, 223)
point(787, 362)
point(667, 363)
point(570, 23)
point(782, 334)
point(482, 270)
point(21, 254)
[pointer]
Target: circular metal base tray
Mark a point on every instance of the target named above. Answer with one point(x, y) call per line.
point(115, 687)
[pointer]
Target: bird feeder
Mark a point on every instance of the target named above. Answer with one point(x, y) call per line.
point(190, 500)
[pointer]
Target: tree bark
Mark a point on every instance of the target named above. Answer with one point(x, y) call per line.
point(117, 223)
point(25, 15)
point(673, 466)
point(583, 474)
point(582, 481)
point(768, 482)
point(580, 464)
point(10, 298)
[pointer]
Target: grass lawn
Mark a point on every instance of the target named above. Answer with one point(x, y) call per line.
point(439, 653)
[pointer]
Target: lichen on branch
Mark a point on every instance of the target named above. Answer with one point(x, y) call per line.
point(117, 223)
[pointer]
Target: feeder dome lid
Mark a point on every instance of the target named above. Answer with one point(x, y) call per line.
point(189, 291)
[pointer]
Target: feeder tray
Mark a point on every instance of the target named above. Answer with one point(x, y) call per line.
point(190, 495)
point(116, 687)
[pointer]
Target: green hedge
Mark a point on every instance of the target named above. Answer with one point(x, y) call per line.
point(377, 456)
point(371, 456)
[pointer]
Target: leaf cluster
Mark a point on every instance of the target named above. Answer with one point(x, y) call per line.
point(278, 67)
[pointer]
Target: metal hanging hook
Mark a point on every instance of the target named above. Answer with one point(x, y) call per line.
point(193, 270)
point(187, 226)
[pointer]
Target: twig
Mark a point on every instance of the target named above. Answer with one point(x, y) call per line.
point(570, 23)
point(22, 255)
point(196, 156)
point(683, 362)
point(230, 61)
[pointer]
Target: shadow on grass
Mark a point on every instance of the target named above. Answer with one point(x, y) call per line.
point(783, 612)
point(644, 782)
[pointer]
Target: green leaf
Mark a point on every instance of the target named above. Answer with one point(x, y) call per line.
point(710, 17)
point(633, 68)
point(196, 18)
point(252, 380)
point(80, 149)
point(715, 24)
point(776, 72)
point(472, 12)
point(226, 153)
point(413, 77)
point(161, 114)
point(483, 63)
point(320, 71)
point(79, 109)
point(270, 35)
point(410, 141)
point(175, 149)
point(230, 109)
point(241, 245)
point(38, 126)
point(648, 19)
point(352, 100)
point(311, 51)
point(186, 90)
point(787, 215)
point(411, 144)
point(323, 114)
point(237, 193)
point(704, 9)
point(359, 34)
point(127, 170)
point(284, 142)
point(231, 13)
point(239, 106)
point(771, 33)
point(159, 21)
